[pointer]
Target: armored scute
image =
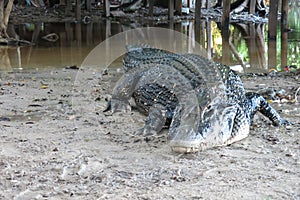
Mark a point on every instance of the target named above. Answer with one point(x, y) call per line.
point(203, 103)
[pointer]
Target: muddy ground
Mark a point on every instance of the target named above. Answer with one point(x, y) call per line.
point(56, 143)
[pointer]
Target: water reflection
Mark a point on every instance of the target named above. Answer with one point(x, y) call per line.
point(63, 44)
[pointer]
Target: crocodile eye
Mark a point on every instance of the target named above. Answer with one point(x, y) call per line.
point(207, 112)
point(208, 107)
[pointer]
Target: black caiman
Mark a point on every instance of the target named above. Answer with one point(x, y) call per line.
point(203, 103)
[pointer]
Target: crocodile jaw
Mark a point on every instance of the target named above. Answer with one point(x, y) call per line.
point(186, 140)
point(218, 131)
point(185, 146)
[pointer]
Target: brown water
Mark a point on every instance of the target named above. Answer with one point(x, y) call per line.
point(244, 50)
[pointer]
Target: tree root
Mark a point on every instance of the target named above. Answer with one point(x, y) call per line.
point(14, 42)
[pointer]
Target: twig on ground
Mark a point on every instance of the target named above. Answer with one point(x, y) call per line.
point(296, 94)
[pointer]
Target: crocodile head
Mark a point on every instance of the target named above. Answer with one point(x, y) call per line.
point(214, 127)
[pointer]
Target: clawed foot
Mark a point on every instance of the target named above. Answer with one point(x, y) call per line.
point(116, 105)
point(282, 122)
point(285, 122)
point(145, 132)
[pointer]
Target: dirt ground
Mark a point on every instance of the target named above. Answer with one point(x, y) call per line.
point(56, 143)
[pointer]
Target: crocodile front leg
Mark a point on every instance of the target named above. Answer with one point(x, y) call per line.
point(122, 93)
point(259, 103)
point(154, 122)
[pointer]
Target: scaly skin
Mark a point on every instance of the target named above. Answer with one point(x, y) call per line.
point(203, 103)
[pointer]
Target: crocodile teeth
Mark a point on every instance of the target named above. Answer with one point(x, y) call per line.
point(179, 149)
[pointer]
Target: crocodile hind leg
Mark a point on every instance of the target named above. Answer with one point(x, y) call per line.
point(259, 103)
point(154, 122)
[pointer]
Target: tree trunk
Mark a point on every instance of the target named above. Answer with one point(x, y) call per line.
point(6, 39)
point(7, 11)
point(2, 25)
point(4, 17)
